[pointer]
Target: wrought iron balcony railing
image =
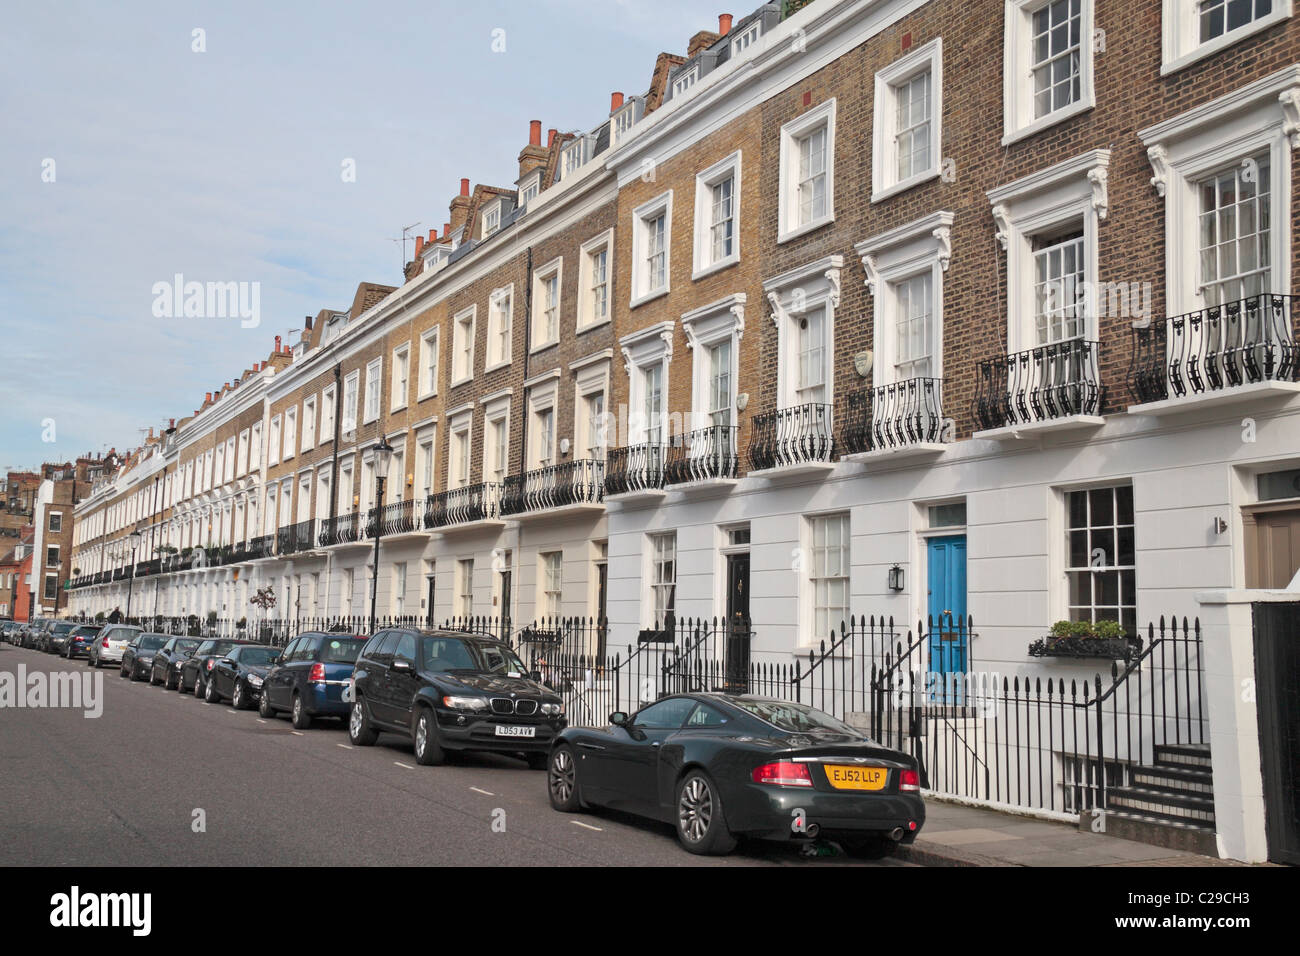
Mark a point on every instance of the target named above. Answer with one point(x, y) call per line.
point(295, 538)
point(260, 547)
point(569, 483)
point(700, 455)
point(400, 518)
point(480, 502)
point(894, 416)
point(634, 468)
point(1038, 385)
point(791, 436)
point(1245, 342)
point(341, 529)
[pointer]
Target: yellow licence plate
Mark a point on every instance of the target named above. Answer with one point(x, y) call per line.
point(857, 778)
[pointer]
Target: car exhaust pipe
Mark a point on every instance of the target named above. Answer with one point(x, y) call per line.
point(896, 834)
point(813, 830)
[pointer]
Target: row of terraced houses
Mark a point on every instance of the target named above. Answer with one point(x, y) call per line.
point(915, 309)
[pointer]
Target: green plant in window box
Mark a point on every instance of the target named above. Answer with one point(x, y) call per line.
point(1104, 639)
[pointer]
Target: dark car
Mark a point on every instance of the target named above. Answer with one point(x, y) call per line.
point(721, 766)
point(449, 690)
point(57, 640)
point(34, 635)
point(313, 678)
point(239, 675)
point(79, 641)
point(195, 668)
point(137, 659)
point(166, 669)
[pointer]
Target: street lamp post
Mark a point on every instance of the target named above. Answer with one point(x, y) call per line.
point(135, 543)
point(383, 457)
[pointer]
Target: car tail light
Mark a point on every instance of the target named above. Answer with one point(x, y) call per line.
point(909, 780)
point(317, 675)
point(209, 664)
point(783, 773)
point(105, 644)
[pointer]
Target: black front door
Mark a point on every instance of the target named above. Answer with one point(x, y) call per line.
point(602, 591)
point(1277, 679)
point(429, 604)
point(737, 664)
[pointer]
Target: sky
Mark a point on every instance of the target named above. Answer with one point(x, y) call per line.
point(134, 149)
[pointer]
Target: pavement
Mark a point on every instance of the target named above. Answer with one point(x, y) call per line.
point(960, 835)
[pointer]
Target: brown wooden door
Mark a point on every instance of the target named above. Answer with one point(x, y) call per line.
point(1272, 548)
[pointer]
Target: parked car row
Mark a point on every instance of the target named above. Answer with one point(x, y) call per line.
point(716, 766)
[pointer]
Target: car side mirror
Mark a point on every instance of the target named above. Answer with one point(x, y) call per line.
point(228, 661)
point(619, 718)
point(535, 676)
point(401, 664)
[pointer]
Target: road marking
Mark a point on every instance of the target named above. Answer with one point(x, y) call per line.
point(296, 733)
point(406, 765)
point(588, 826)
point(486, 793)
point(344, 746)
point(260, 720)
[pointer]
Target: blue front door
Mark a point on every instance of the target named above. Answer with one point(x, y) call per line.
point(947, 604)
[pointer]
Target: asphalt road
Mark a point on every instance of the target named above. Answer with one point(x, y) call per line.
point(123, 789)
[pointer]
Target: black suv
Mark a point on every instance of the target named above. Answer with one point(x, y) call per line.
point(452, 691)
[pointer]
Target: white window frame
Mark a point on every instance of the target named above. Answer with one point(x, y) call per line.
point(746, 38)
point(255, 447)
point(530, 187)
point(400, 388)
point(464, 322)
point(273, 452)
point(1070, 192)
point(374, 380)
point(496, 410)
point(308, 423)
point(492, 219)
point(793, 295)
point(1180, 32)
point(641, 350)
point(885, 181)
point(726, 168)
point(352, 388)
point(710, 325)
point(1018, 121)
point(329, 408)
point(1263, 116)
point(550, 583)
point(591, 378)
point(921, 246)
point(642, 215)
point(810, 581)
point(572, 157)
point(655, 544)
point(465, 587)
point(500, 318)
point(621, 123)
point(460, 438)
point(788, 224)
point(586, 295)
point(542, 276)
point(543, 398)
point(428, 384)
point(683, 82)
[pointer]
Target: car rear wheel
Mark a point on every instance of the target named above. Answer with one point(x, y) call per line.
point(562, 780)
point(428, 753)
point(169, 680)
point(701, 826)
point(359, 730)
point(301, 719)
point(210, 691)
point(122, 671)
point(198, 686)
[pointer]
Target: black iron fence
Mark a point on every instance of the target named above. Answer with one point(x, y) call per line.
point(1038, 384)
point(700, 455)
point(791, 436)
point(1222, 346)
point(896, 415)
point(478, 502)
point(634, 468)
point(568, 483)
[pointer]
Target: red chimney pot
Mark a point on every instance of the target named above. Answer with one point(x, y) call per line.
point(464, 187)
point(615, 101)
point(724, 24)
point(534, 132)
point(446, 228)
point(550, 137)
point(419, 245)
point(433, 235)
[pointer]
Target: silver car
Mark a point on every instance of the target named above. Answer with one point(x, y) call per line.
point(111, 643)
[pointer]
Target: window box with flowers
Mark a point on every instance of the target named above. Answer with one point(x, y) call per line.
point(1084, 639)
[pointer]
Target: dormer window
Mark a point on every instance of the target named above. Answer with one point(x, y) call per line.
point(573, 157)
point(746, 39)
point(623, 122)
point(686, 80)
point(492, 219)
point(529, 188)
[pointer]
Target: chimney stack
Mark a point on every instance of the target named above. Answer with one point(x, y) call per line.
point(433, 236)
point(534, 132)
point(615, 102)
point(464, 187)
point(308, 319)
point(277, 345)
point(533, 156)
point(550, 137)
point(460, 206)
point(724, 24)
point(419, 246)
point(446, 229)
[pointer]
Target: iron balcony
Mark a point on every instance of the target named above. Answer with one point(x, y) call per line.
point(702, 455)
point(634, 468)
point(555, 486)
point(1038, 385)
point(894, 416)
point(456, 506)
point(793, 436)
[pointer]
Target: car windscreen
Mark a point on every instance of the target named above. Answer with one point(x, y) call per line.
point(257, 656)
point(151, 642)
point(446, 654)
point(123, 633)
point(340, 650)
point(86, 631)
point(500, 659)
point(221, 647)
point(207, 647)
point(64, 628)
point(184, 646)
point(794, 718)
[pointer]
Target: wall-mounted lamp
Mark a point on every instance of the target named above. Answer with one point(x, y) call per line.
point(896, 578)
point(1219, 525)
